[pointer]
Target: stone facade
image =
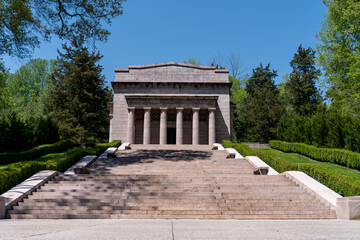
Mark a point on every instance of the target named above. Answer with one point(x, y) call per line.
point(171, 103)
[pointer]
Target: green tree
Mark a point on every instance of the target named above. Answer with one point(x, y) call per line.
point(79, 98)
point(300, 90)
point(23, 23)
point(339, 53)
point(29, 87)
point(193, 61)
point(263, 105)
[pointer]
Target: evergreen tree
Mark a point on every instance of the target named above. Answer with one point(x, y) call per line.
point(263, 105)
point(300, 90)
point(79, 98)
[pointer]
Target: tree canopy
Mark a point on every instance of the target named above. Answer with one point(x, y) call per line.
point(300, 89)
point(339, 53)
point(79, 98)
point(24, 23)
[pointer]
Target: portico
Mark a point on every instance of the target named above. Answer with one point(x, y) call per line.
point(171, 103)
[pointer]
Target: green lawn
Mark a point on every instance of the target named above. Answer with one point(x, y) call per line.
point(296, 158)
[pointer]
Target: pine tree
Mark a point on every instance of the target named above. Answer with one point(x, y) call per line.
point(300, 90)
point(79, 99)
point(263, 105)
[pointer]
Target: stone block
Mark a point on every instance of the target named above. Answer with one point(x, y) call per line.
point(257, 162)
point(261, 171)
point(348, 208)
point(2, 207)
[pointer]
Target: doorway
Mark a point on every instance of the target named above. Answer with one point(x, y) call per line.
point(171, 136)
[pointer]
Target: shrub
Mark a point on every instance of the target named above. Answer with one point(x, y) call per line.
point(244, 150)
point(332, 155)
point(227, 144)
point(18, 172)
point(36, 152)
point(342, 184)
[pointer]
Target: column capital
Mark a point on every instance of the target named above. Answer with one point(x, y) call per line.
point(163, 108)
point(179, 108)
point(131, 108)
point(147, 108)
point(196, 109)
point(212, 109)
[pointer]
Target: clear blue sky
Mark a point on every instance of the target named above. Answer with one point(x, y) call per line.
point(167, 30)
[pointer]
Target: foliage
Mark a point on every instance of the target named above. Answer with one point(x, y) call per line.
point(28, 89)
point(324, 129)
point(263, 106)
point(79, 98)
point(339, 53)
point(18, 135)
point(342, 184)
point(193, 61)
point(237, 99)
point(18, 172)
point(35, 152)
point(227, 144)
point(300, 90)
point(23, 23)
point(332, 155)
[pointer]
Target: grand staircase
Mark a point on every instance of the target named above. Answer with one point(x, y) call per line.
point(171, 182)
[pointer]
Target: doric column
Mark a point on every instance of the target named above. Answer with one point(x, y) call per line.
point(147, 125)
point(131, 125)
point(179, 126)
point(212, 136)
point(195, 126)
point(163, 125)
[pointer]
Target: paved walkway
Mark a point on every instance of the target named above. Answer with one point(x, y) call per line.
point(178, 229)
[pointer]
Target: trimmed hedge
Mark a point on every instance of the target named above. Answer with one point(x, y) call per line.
point(18, 172)
point(243, 149)
point(338, 156)
point(36, 152)
point(340, 183)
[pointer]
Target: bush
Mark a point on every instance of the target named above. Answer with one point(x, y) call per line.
point(331, 129)
point(244, 150)
point(18, 172)
point(342, 184)
point(241, 148)
point(36, 152)
point(18, 134)
point(332, 155)
point(227, 144)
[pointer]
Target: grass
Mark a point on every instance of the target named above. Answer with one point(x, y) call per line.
point(296, 158)
point(3, 167)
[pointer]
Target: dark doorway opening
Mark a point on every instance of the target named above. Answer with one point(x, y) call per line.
point(171, 136)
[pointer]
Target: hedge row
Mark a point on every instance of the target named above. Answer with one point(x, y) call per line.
point(243, 149)
point(36, 152)
point(20, 171)
point(342, 184)
point(338, 156)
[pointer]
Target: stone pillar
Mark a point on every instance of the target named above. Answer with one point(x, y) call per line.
point(195, 126)
point(163, 125)
point(212, 136)
point(179, 125)
point(147, 125)
point(131, 125)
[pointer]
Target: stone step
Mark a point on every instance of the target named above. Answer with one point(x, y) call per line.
point(182, 207)
point(169, 212)
point(148, 216)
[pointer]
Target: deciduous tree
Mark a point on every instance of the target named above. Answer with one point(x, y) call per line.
point(339, 53)
point(24, 23)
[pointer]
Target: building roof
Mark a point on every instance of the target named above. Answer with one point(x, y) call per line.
point(172, 72)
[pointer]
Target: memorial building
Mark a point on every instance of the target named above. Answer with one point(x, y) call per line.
point(171, 103)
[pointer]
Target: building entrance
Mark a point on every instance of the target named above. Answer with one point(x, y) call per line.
point(171, 136)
